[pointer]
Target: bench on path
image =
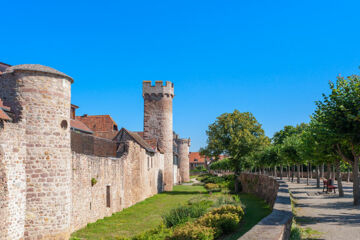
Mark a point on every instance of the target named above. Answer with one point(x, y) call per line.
point(328, 185)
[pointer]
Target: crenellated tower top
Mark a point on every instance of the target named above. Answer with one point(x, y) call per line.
point(159, 89)
point(184, 141)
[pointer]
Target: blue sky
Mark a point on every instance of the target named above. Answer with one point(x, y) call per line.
point(272, 58)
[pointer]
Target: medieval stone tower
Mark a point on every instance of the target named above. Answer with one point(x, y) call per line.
point(39, 97)
point(158, 123)
point(183, 151)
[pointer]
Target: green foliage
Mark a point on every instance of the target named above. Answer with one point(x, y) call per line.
point(223, 164)
point(338, 114)
point(158, 233)
point(280, 136)
point(221, 223)
point(198, 169)
point(225, 182)
point(229, 209)
point(267, 157)
point(93, 181)
point(237, 135)
point(190, 231)
point(184, 213)
point(227, 200)
point(290, 149)
point(211, 186)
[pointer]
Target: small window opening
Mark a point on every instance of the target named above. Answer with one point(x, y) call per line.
point(115, 128)
point(64, 124)
point(108, 196)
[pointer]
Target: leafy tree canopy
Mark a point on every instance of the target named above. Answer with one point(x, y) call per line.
point(236, 135)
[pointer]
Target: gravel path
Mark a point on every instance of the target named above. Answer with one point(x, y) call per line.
point(336, 218)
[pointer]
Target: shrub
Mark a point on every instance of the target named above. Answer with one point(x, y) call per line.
point(191, 231)
point(227, 200)
point(158, 233)
point(222, 223)
point(184, 213)
point(229, 209)
point(211, 186)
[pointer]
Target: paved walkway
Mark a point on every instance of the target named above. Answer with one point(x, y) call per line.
point(336, 218)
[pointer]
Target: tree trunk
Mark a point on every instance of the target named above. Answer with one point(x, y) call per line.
point(288, 173)
point(333, 174)
point(311, 172)
point(292, 173)
point(322, 171)
point(281, 172)
point(328, 169)
point(339, 178)
point(302, 170)
point(298, 174)
point(356, 187)
point(318, 176)
point(348, 174)
point(237, 182)
point(275, 171)
point(308, 174)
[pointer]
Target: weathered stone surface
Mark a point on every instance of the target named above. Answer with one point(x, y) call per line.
point(277, 225)
point(132, 178)
point(183, 146)
point(158, 123)
point(38, 161)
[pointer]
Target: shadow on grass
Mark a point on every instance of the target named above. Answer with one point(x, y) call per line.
point(255, 210)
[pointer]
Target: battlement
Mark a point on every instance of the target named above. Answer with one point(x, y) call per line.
point(183, 141)
point(159, 88)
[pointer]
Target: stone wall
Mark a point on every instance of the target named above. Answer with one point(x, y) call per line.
point(12, 182)
point(277, 225)
point(92, 145)
point(132, 178)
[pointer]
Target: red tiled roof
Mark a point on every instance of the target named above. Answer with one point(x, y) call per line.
point(3, 106)
point(98, 123)
point(196, 155)
point(3, 110)
point(78, 125)
point(101, 125)
point(3, 115)
point(200, 159)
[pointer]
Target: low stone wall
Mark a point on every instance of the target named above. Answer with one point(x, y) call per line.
point(120, 183)
point(277, 225)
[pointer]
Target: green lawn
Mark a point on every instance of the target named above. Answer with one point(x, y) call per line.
point(147, 214)
point(255, 210)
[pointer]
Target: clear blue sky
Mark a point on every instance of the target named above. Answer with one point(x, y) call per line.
point(272, 58)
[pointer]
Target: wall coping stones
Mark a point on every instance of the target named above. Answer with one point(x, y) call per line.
point(37, 68)
point(277, 225)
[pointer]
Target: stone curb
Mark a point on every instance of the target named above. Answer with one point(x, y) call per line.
point(277, 225)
